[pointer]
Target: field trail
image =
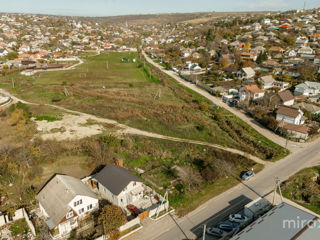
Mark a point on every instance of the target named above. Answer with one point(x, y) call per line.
point(77, 125)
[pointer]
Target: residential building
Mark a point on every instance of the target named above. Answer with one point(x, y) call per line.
point(250, 92)
point(290, 115)
point(267, 81)
point(307, 89)
point(118, 185)
point(283, 222)
point(246, 73)
point(286, 98)
point(63, 201)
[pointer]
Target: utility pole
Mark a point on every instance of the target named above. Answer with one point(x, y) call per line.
point(277, 186)
point(12, 81)
point(204, 232)
point(304, 6)
point(108, 65)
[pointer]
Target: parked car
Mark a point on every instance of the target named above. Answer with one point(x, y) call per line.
point(247, 175)
point(133, 210)
point(227, 227)
point(216, 232)
point(238, 218)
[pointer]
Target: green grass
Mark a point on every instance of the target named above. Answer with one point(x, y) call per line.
point(48, 118)
point(135, 94)
point(304, 189)
point(19, 227)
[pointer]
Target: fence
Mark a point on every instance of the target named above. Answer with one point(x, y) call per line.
point(130, 224)
point(19, 214)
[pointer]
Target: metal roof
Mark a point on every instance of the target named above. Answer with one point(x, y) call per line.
point(115, 178)
point(283, 222)
point(56, 195)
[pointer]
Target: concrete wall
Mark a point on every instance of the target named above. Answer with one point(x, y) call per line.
point(130, 224)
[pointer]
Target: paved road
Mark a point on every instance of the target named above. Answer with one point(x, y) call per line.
point(257, 126)
point(173, 228)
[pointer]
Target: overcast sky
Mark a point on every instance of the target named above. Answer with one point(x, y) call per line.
point(121, 7)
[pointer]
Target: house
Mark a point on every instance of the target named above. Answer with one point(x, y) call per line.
point(267, 81)
point(313, 109)
point(286, 98)
point(3, 52)
point(118, 185)
point(247, 73)
point(305, 50)
point(266, 21)
point(296, 131)
point(63, 201)
point(249, 92)
point(290, 115)
point(307, 89)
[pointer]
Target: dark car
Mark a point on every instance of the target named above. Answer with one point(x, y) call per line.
point(133, 210)
point(227, 227)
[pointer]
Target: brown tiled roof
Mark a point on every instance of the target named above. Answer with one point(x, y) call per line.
point(288, 111)
point(286, 96)
point(296, 128)
point(253, 88)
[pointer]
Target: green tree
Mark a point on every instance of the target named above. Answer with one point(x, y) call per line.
point(111, 218)
point(12, 55)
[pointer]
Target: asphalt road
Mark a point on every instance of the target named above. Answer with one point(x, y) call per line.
point(216, 209)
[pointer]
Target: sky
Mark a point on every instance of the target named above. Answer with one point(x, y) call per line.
point(124, 7)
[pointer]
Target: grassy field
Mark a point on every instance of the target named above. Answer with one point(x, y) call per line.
point(138, 95)
point(304, 188)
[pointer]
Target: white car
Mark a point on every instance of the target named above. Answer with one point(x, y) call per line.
point(238, 218)
point(216, 232)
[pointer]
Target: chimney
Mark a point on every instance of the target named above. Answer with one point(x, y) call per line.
point(119, 162)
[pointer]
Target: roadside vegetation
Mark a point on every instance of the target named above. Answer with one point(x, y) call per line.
point(140, 96)
point(191, 173)
point(304, 188)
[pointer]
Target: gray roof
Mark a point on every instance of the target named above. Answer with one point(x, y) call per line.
point(58, 193)
point(267, 79)
point(274, 225)
point(115, 178)
point(308, 85)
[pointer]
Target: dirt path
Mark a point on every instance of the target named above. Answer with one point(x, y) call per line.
point(82, 118)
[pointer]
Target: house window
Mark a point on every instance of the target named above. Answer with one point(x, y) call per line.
point(69, 215)
point(134, 183)
point(81, 210)
point(77, 203)
point(89, 207)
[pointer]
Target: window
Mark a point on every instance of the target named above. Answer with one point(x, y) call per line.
point(89, 207)
point(77, 203)
point(69, 215)
point(81, 210)
point(134, 183)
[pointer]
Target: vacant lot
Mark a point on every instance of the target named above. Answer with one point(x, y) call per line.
point(137, 95)
point(304, 188)
point(192, 173)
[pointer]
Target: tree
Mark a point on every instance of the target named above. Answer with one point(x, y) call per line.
point(111, 218)
point(12, 55)
point(247, 46)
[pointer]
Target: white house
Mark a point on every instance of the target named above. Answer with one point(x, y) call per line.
point(63, 201)
point(290, 115)
point(305, 50)
point(119, 186)
point(286, 98)
point(307, 89)
point(266, 21)
point(267, 81)
point(247, 73)
point(3, 52)
point(249, 92)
